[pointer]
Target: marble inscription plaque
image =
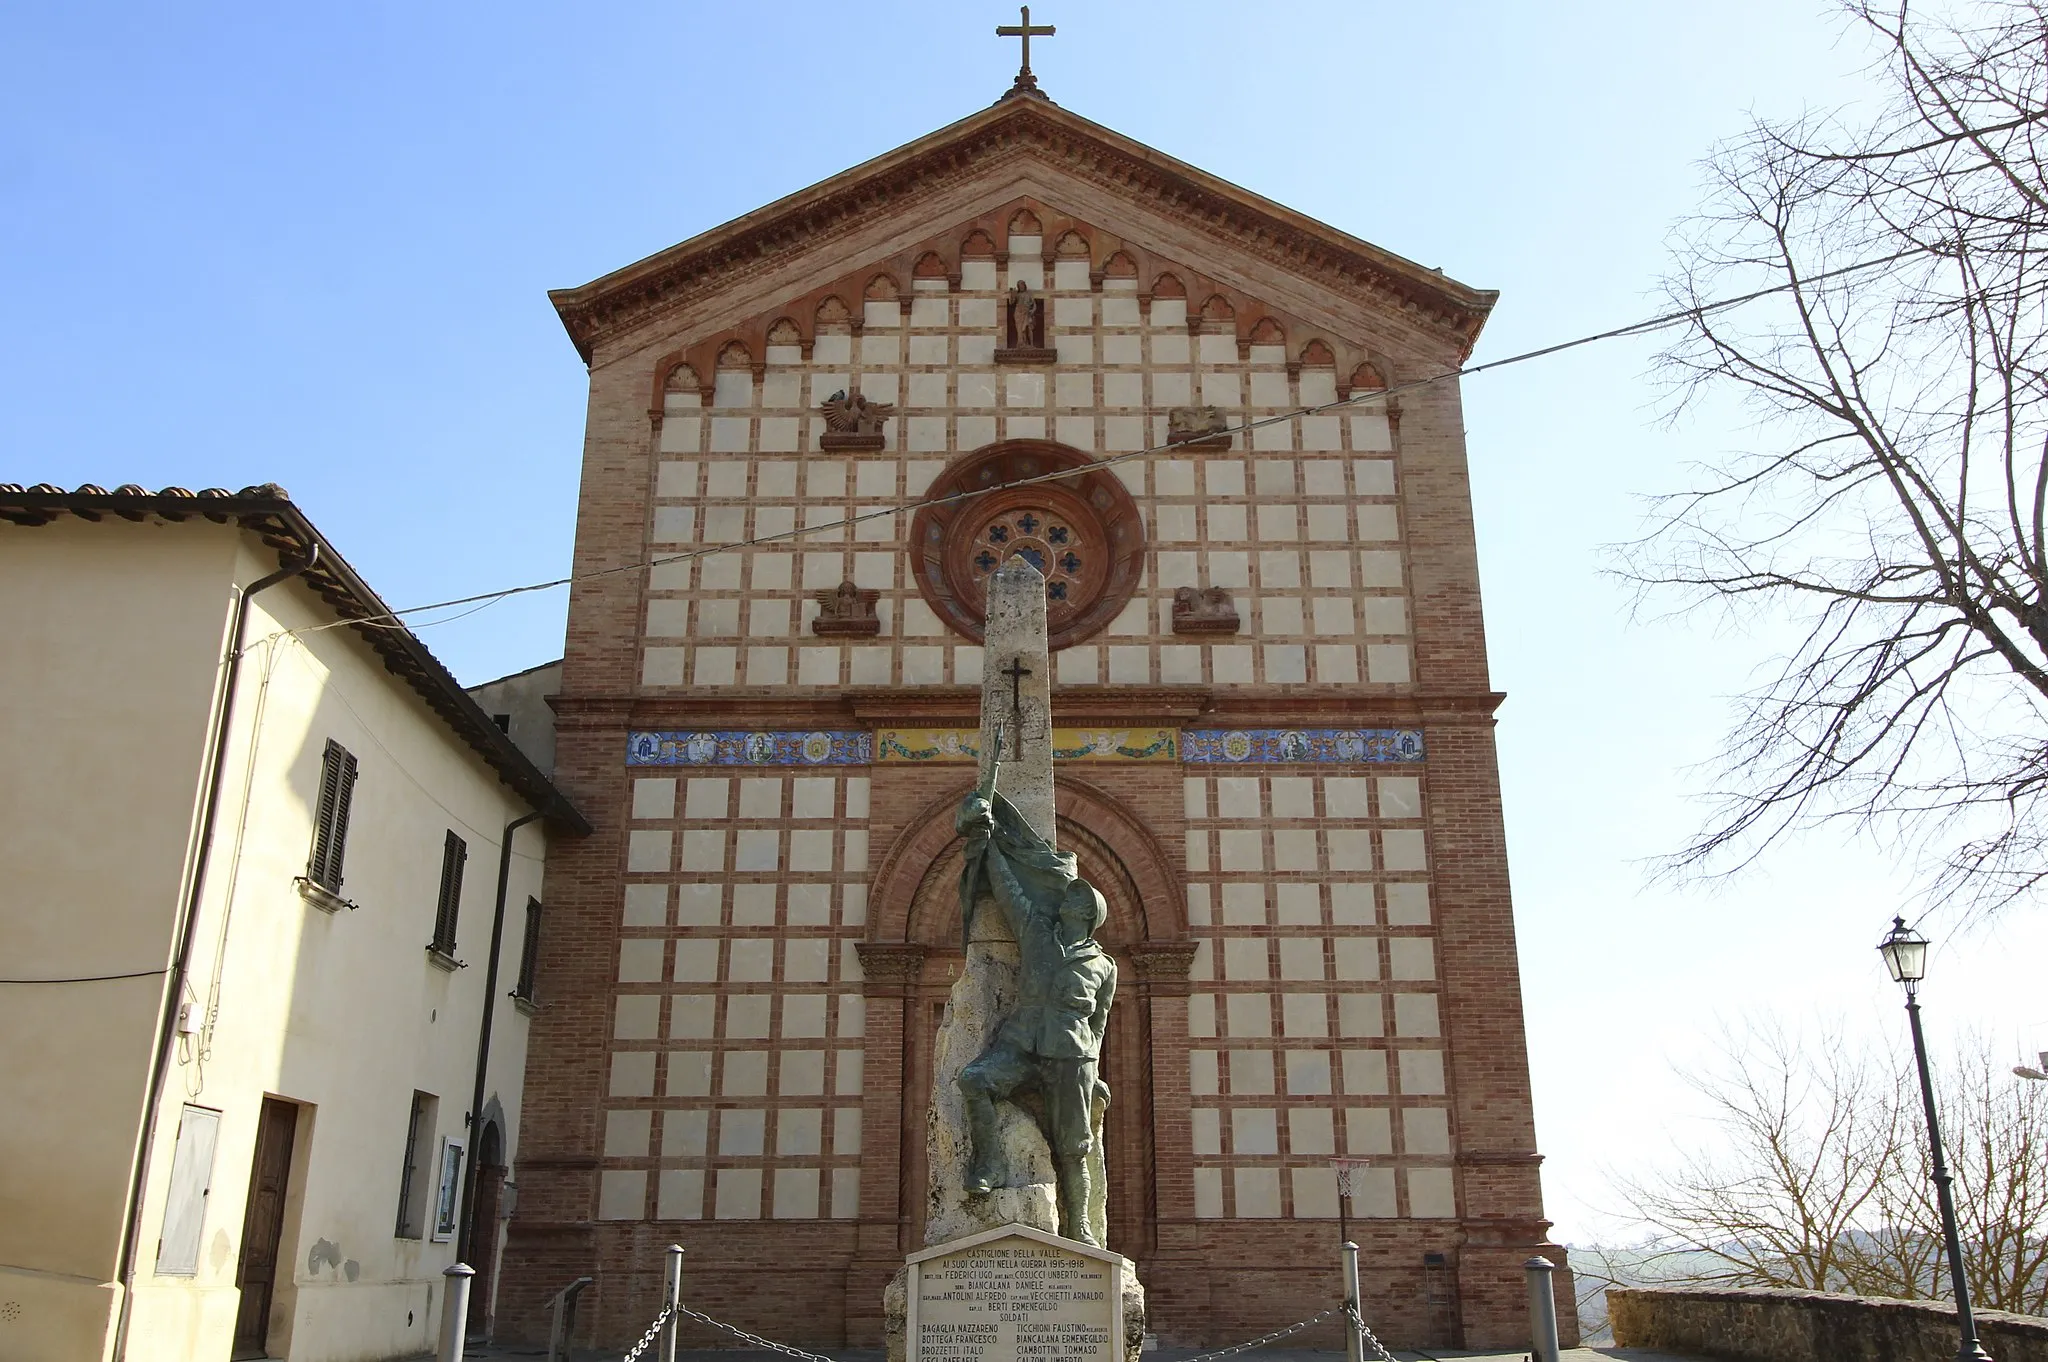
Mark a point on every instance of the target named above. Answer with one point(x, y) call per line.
point(1015, 1299)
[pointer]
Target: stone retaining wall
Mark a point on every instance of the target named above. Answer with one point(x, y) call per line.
point(1759, 1325)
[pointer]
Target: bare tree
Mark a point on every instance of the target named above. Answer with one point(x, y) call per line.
point(1818, 1178)
point(1895, 508)
point(1802, 1138)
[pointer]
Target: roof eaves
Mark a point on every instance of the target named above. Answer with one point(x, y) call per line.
point(593, 310)
point(269, 513)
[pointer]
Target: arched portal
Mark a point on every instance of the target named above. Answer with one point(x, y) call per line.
point(917, 905)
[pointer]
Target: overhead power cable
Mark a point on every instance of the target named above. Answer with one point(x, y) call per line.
point(1661, 322)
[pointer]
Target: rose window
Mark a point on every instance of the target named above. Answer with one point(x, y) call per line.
point(1045, 539)
point(1040, 501)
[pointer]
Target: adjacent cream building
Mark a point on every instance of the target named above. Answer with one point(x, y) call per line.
point(244, 965)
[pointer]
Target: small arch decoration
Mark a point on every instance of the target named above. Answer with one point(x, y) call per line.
point(1083, 532)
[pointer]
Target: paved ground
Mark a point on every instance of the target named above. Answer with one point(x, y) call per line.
point(521, 1354)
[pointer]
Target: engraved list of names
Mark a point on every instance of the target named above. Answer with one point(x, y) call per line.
point(1015, 1300)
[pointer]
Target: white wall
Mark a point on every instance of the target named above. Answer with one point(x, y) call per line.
point(342, 1012)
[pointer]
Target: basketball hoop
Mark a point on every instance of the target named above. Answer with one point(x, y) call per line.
point(1347, 1175)
point(1347, 1171)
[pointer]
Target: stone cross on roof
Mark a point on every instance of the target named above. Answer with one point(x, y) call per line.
point(1026, 83)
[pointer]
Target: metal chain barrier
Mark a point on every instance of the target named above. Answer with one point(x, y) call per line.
point(755, 1339)
point(1351, 1311)
point(654, 1332)
point(1273, 1337)
point(647, 1339)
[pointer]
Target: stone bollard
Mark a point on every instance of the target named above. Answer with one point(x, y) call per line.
point(454, 1310)
point(1542, 1310)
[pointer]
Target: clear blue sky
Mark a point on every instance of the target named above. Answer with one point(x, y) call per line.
point(308, 245)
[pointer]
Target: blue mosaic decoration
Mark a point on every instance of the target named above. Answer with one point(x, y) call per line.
point(1325, 746)
point(745, 747)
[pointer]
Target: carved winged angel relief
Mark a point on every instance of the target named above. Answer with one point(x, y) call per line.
point(853, 422)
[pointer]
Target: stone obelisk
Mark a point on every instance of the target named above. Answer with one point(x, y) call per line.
point(1016, 749)
point(1016, 710)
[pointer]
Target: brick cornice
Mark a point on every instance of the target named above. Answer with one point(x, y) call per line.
point(1013, 129)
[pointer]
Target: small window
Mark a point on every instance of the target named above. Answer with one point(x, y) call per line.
point(529, 952)
point(414, 1181)
point(454, 855)
point(330, 816)
point(448, 1189)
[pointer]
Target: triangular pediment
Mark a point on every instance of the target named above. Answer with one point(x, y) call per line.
point(1028, 1233)
point(1029, 151)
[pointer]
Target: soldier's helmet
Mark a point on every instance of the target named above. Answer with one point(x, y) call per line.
point(1084, 904)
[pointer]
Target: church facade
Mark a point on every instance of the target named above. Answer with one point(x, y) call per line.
point(823, 425)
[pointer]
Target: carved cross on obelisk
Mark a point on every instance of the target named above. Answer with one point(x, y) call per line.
point(1026, 83)
point(1016, 671)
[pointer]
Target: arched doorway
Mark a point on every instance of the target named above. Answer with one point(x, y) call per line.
point(483, 1228)
point(931, 920)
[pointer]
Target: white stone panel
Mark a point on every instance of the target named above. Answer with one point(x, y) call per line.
point(1301, 958)
point(697, 961)
point(1248, 1015)
point(1360, 1014)
point(638, 1016)
point(1404, 849)
point(753, 905)
point(739, 1194)
point(1351, 904)
point(648, 850)
point(1251, 1073)
point(691, 1016)
point(1202, 1074)
point(689, 1073)
point(699, 905)
point(1422, 1072)
point(1257, 1192)
point(1202, 1015)
point(802, 1073)
point(1357, 958)
point(632, 1074)
point(1209, 1193)
point(1299, 905)
point(751, 961)
point(685, 1134)
point(622, 1194)
point(743, 1073)
point(1415, 1014)
point(1254, 1131)
point(1407, 905)
point(640, 961)
point(646, 905)
point(1430, 1194)
point(1365, 1072)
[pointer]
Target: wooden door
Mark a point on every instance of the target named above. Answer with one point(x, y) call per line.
point(489, 1171)
point(263, 1225)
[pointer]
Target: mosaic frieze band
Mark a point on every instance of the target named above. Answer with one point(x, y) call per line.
point(1221, 746)
point(751, 747)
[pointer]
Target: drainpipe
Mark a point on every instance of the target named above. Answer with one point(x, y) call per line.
point(463, 1246)
point(167, 1019)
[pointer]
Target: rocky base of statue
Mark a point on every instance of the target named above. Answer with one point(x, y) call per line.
point(1026, 1191)
point(896, 1314)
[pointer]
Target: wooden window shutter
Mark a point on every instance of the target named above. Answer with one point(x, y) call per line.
point(454, 854)
point(529, 951)
point(330, 821)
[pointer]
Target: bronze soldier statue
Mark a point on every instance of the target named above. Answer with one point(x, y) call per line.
point(1051, 1041)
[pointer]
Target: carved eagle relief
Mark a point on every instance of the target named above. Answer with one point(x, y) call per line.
point(849, 413)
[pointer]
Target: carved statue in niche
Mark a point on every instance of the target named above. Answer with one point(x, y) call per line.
point(847, 610)
point(1204, 610)
point(1201, 427)
point(1024, 327)
point(853, 422)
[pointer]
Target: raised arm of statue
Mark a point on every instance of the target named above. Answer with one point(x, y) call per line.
point(1009, 892)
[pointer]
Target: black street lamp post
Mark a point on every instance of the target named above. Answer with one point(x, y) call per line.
point(1905, 955)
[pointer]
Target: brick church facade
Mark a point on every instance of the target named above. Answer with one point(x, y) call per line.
point(1273, 726)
